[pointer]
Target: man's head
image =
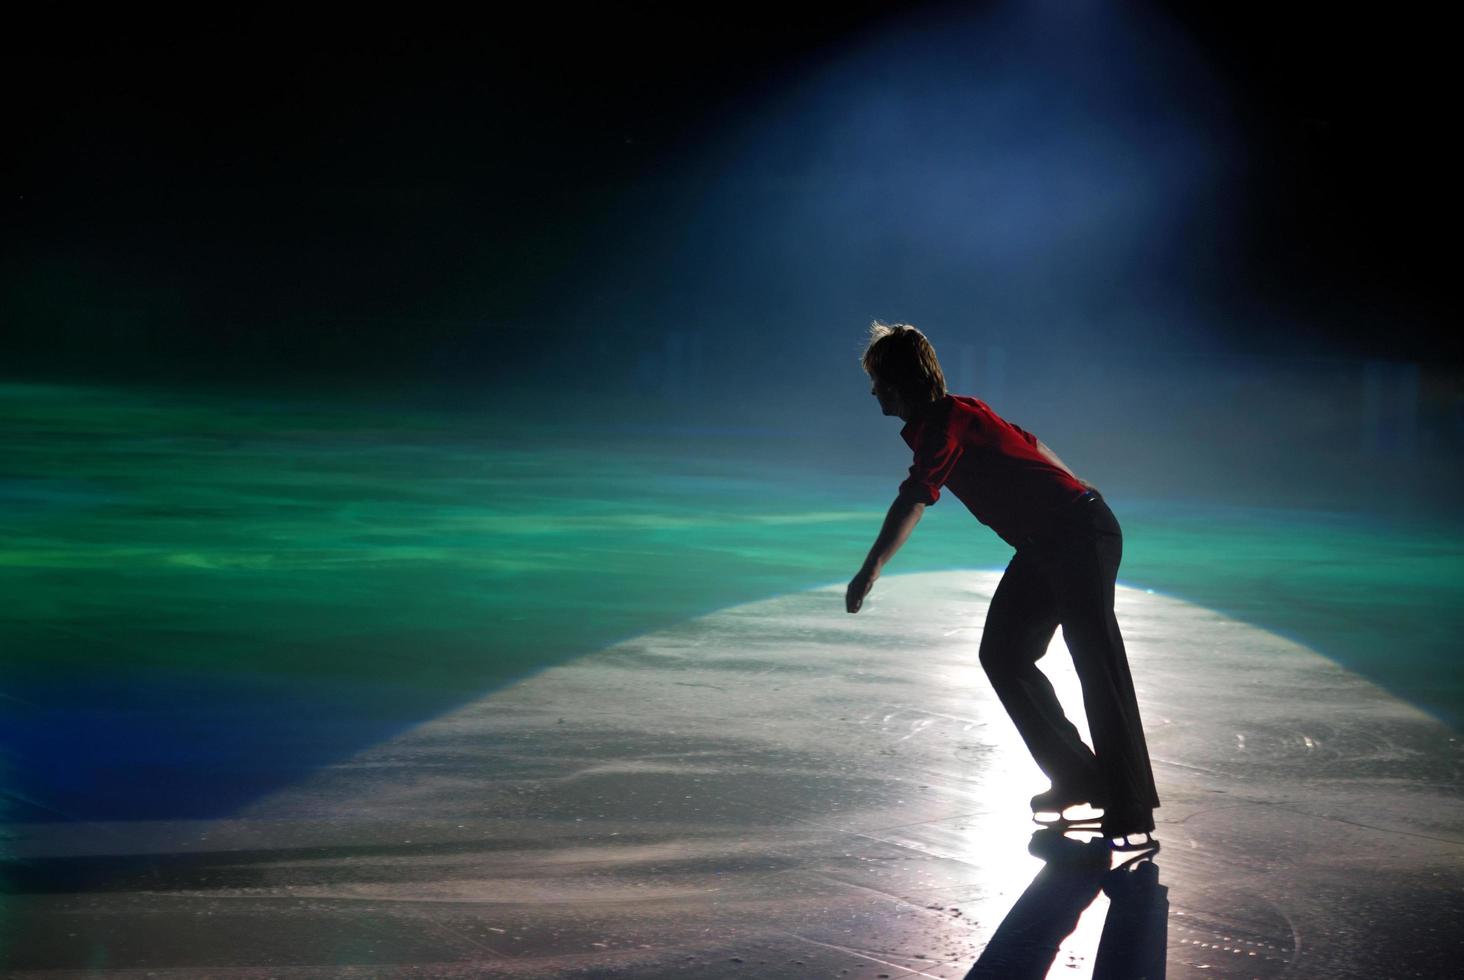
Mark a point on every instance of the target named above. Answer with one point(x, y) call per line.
point(903, 368)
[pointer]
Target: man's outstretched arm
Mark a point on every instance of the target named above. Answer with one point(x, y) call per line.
point(899, 522)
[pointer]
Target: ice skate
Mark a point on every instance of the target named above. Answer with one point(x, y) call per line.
point(1131, 833)
point(1061, 808)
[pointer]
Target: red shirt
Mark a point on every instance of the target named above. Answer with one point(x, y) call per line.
point(992, 467)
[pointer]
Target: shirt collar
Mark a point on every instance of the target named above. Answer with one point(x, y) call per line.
point(922, 415)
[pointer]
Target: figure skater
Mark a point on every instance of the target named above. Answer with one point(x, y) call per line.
point(1068, 547)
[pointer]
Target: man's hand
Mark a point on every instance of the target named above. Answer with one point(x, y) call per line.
point(898, 523)
point(859, 587)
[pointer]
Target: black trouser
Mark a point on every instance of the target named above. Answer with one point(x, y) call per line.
point(1065, 577)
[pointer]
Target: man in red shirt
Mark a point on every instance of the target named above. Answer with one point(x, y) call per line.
point(1068, 547)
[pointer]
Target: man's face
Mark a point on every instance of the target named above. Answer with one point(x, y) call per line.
point(889, 399)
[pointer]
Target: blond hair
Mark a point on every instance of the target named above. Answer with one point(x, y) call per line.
point(900, 356)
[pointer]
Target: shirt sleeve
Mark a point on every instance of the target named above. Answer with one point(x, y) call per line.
point(935, 457)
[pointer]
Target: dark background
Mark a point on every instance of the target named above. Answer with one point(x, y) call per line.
point(1154, 233)
point(263, 197)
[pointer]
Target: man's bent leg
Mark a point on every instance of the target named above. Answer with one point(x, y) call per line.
point(1019, 626)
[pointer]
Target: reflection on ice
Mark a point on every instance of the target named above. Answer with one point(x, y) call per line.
point(779, 790)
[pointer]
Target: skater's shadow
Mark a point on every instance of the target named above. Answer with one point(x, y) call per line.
point(1135, 934)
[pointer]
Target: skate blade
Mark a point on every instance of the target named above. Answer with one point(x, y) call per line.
point(1079, 816)
point(1139, 848)
point(1065, 823)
